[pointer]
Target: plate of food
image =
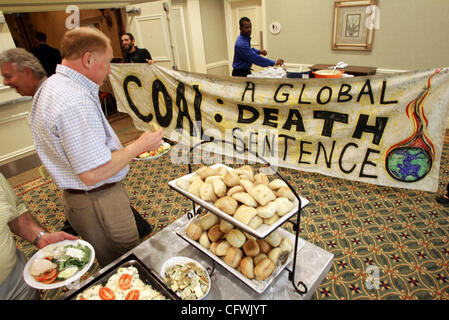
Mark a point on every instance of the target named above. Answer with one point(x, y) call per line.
point(186, 277)
point(151, 155)
point(59, 264)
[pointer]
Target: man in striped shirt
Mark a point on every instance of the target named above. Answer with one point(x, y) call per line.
point(80, 149)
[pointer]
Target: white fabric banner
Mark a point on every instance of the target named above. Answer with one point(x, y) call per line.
point(385, 129)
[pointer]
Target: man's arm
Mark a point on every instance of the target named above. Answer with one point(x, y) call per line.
point(251, 54)
point(26, 227)
point(148, 141)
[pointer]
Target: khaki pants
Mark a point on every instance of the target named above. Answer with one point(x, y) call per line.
point(105, 220)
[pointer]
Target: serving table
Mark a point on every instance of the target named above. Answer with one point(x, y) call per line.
point(312, 265)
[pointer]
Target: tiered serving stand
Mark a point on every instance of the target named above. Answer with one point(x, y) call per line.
point(299, 286)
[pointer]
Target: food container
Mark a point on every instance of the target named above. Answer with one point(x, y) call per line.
point(258, 286)
point(301, 73)
point(184, 261)
point(328, 73)
point(145, 274)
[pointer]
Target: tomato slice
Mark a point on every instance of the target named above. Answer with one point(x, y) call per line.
point(106, 294)
point(47, 276)
point(125, 281)
point(133, 295)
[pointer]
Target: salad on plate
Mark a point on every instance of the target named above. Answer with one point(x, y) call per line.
point(59, 262)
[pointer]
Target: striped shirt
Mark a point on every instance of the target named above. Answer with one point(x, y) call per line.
point(70, 131)
point(10, 208)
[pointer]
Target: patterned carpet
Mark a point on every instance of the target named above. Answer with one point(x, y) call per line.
point(402, 233)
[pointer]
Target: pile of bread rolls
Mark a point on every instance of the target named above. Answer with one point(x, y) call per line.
point(250, 198)
point(254, 258)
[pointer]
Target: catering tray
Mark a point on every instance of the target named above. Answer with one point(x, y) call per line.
point(261, 232)
point(256, 285)
point(147, 275)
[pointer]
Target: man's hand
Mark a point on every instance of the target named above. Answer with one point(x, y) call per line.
point(150, 141)
point(149, 61)
point(53, 237)
point(263, 52)
point(279, 62)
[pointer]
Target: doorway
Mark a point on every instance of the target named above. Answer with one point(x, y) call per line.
point(253, 9)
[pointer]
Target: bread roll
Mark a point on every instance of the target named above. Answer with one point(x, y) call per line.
point(265, 247)
point(222, 248)
point(204, 240)
point(264, 269)
point(215, 233)
point(247, 267)
point(273, 219)
point(184, 184)
point(205, 172)
point(277, 184)
point(255, 222)
point(247, 168)
point(274, 254)
point(261, 178)
point(231, 179)
point(245, 198)
point(221, 171)
point(244, 214)
point(211, 178)
point(251, 248)
point(274, 238)
point(286, 245)
point(235, 189)
point(227, 205)
point(259, 257)
point(213, 247)
point(233, 257)
point(286, 193)
point(207, 192)
point(246, 184)
point(208, 220)
point(284, 206)
point(194, 187)
point(262, 194)
point(225, 226)
point(268, 210)
point(219, 187)
point(244, 174)
point(194, 231)
point(236, 238)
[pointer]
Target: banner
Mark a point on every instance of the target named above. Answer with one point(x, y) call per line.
point(385, 129)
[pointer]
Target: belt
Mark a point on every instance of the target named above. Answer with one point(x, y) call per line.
point(102, 187)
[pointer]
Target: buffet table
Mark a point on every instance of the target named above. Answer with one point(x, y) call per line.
point(313, 263)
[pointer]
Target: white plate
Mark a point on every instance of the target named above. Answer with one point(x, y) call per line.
point(260, 232)
point(29, 279)
point(156, 156)
point(184, 260)
point(257, 285)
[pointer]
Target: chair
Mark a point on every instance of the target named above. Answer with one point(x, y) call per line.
point(105, 98)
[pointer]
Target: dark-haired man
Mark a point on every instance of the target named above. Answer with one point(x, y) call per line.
point(48, 56)
point(245, 56)
point(131, 52)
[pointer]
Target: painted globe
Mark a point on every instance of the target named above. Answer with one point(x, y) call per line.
point(408, 164)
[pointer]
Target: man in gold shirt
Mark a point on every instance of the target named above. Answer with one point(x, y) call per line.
point(15, 217)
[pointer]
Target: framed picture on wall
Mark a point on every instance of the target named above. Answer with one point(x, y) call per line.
point(354, 24)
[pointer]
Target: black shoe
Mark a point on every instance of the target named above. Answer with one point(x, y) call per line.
point(143, 226)
point(68, 228)
point(442, 200)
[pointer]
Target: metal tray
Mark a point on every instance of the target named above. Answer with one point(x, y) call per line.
point(146, 275)
point(258, 286)
point(261, 232)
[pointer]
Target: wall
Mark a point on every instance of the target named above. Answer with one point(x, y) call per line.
point(413, 34)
